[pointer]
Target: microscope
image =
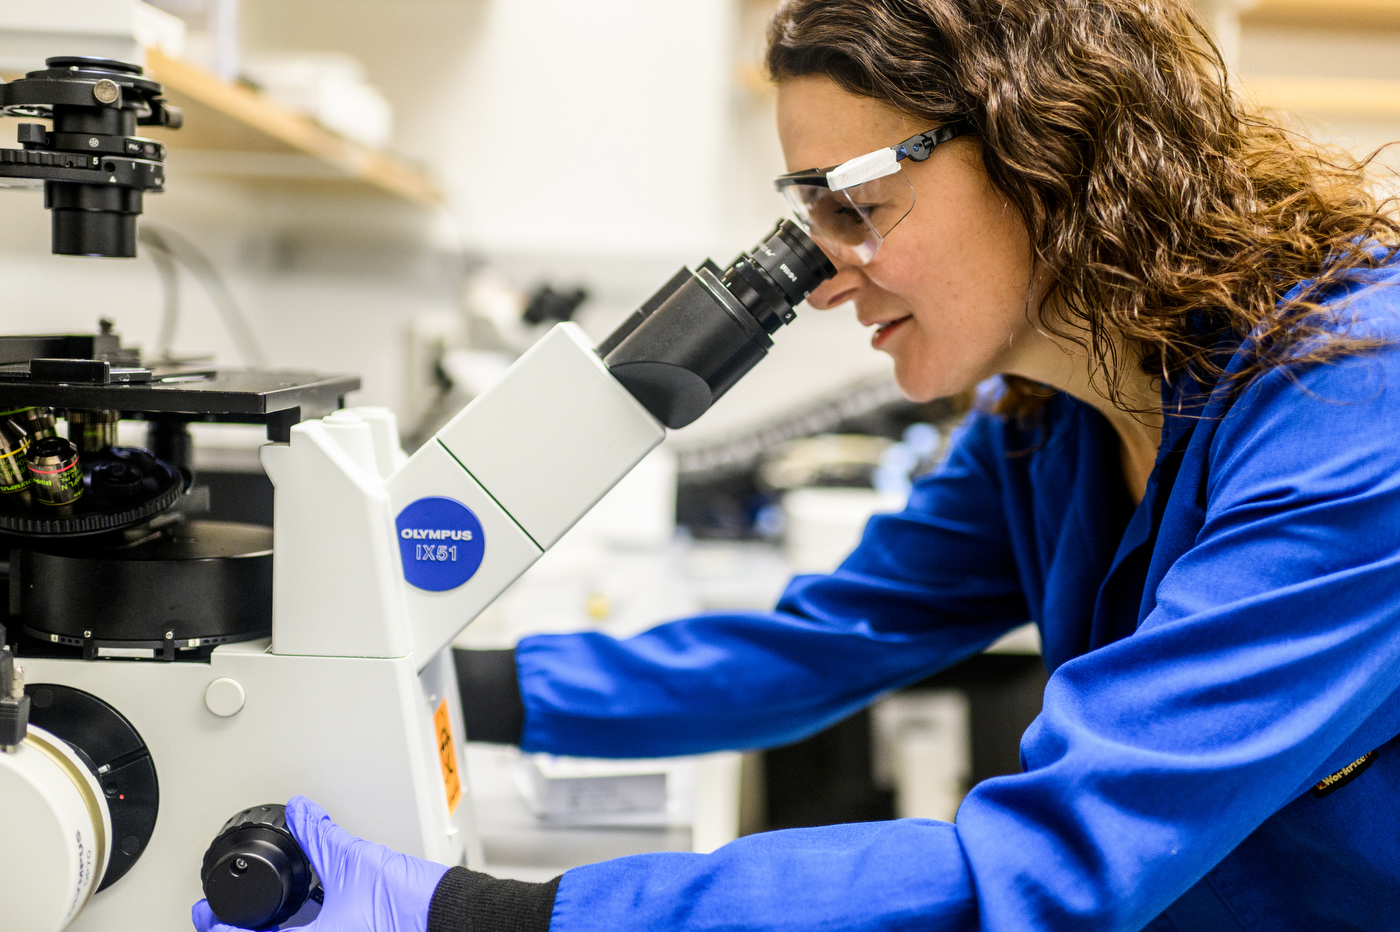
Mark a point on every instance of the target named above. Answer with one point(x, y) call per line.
point(163, 677)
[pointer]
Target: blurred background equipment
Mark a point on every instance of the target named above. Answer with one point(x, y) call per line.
point(331, 88)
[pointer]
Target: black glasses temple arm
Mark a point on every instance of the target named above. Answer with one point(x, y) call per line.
point(920, 146)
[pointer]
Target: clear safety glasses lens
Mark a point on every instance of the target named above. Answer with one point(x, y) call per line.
point(850, 224)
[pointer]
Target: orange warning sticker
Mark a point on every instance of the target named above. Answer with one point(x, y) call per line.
point(447, 756)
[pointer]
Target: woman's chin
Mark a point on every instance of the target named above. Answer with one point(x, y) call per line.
point(919, 388)
point(925, 381)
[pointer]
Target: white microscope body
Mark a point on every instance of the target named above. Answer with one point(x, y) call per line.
point(380, 561)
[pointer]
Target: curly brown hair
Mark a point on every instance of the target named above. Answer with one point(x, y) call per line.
point(1168, 216)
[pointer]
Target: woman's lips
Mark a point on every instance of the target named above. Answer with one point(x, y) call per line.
point(883, 332)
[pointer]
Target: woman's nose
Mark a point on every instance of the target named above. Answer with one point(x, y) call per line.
point(837, 290)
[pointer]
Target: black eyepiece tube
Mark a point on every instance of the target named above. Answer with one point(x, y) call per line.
point(89, 220)
point(697, 336)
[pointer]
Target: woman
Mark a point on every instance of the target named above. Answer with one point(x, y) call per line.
point(1190, 482)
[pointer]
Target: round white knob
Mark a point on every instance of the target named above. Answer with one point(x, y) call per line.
point(225, 697)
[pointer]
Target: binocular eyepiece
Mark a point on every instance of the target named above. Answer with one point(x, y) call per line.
point(697, 336)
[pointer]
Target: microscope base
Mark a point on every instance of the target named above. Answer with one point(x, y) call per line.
point(357, 735)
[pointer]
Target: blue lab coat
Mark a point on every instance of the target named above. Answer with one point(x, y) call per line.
point(1215, 653)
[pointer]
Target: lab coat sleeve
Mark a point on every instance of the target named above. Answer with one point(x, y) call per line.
point(1270, 660)
point(925, 588)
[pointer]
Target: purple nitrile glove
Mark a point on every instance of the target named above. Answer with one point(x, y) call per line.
point(368, 888)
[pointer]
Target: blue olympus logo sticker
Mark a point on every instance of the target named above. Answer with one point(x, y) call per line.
point(440, 542)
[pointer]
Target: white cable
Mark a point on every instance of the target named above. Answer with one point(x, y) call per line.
point(170, 290)
point(204, 271)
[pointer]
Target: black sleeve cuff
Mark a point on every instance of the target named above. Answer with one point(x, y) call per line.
point(491, 702)
point(470, 901)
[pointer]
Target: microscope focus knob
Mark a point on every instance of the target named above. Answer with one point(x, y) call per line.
point(255, 874)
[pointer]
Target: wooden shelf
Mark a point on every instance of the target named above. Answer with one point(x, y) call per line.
point(1324, 96)
point(1336, 14)
point(234, 129)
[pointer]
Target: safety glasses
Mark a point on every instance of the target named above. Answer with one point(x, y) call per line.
point(850, 209)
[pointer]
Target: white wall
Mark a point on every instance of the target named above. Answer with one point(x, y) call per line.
point(592, 127)
point(559, 127)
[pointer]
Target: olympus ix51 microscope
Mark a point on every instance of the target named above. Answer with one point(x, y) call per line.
point(160, 674)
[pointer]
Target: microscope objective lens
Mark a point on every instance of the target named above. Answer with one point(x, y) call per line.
point(14, 466)
point(55, 471)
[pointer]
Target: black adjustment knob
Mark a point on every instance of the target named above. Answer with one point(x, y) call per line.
point(255, 874)
point(33, 134)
